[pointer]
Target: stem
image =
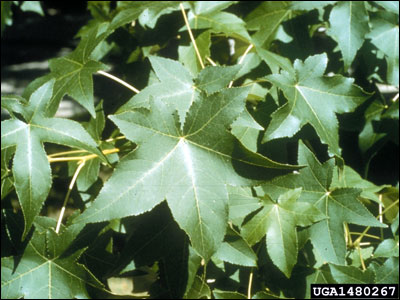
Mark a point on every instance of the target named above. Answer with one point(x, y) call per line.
point(367, 235)
point(361, 259)
point(191, 36)
point(132, 88)
point(211, 61)
point(250, 283)
point(66, 153)
point(71, 185)
point(241, 60)
point(82, 158)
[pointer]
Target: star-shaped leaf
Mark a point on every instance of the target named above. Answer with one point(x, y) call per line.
point(31, 168)
point(190, 167)
point(73, 73)
point(43, 272)
point(278, 221)
point(338, 204)
point(314, 99)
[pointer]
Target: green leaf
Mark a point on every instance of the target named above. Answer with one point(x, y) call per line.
point(246, 130)
point(188, 56)
point(43, 261)
point(241, 203)
point(236, 251)
point(387, 248)
point(350, 274)
point(213, 79)
point(348, 26)
point(198, 290)
point(148, 12)
point(388, 272)
point(73, 73)
point(175, 88)
point(219, 22)
point(181, 166)
point(31, 168)
point(338, 204)
point(309, 5)
point(349, 178)
point(278, 221)
point(6, 14)
point(392, 6)
point(218, 294)
point(266, 19)
point(207, 7)
point(32, 6)
point(314, 99)
point(385, 36)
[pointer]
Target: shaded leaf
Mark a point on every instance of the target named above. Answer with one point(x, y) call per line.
point(348, 26)
point(350, 274)
point(236, 251)
point(31, 168)
point(60, 277)
point(73, 73)
point(278, 221)
point(314, 99)
point(338, 204)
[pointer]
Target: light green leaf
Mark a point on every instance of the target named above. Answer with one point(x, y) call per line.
point(392, 6)
point(182, 166)
point(31, 168)
point(348, 26)
point(32, 6)
point(314, 99)
point(43, 261)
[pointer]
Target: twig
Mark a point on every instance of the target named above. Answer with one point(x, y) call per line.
point(71, 185)
point(191, 36)
point(241, 60)
point(250, 284)
point(132, 88)
point(85, 158)
point(211, 61)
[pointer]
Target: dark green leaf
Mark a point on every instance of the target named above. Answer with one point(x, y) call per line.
point(314, 99)
point(31, 168)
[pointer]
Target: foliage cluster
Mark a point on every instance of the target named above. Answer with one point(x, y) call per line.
point(230, 174)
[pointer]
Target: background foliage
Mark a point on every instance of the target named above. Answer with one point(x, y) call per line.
point(260, 155)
